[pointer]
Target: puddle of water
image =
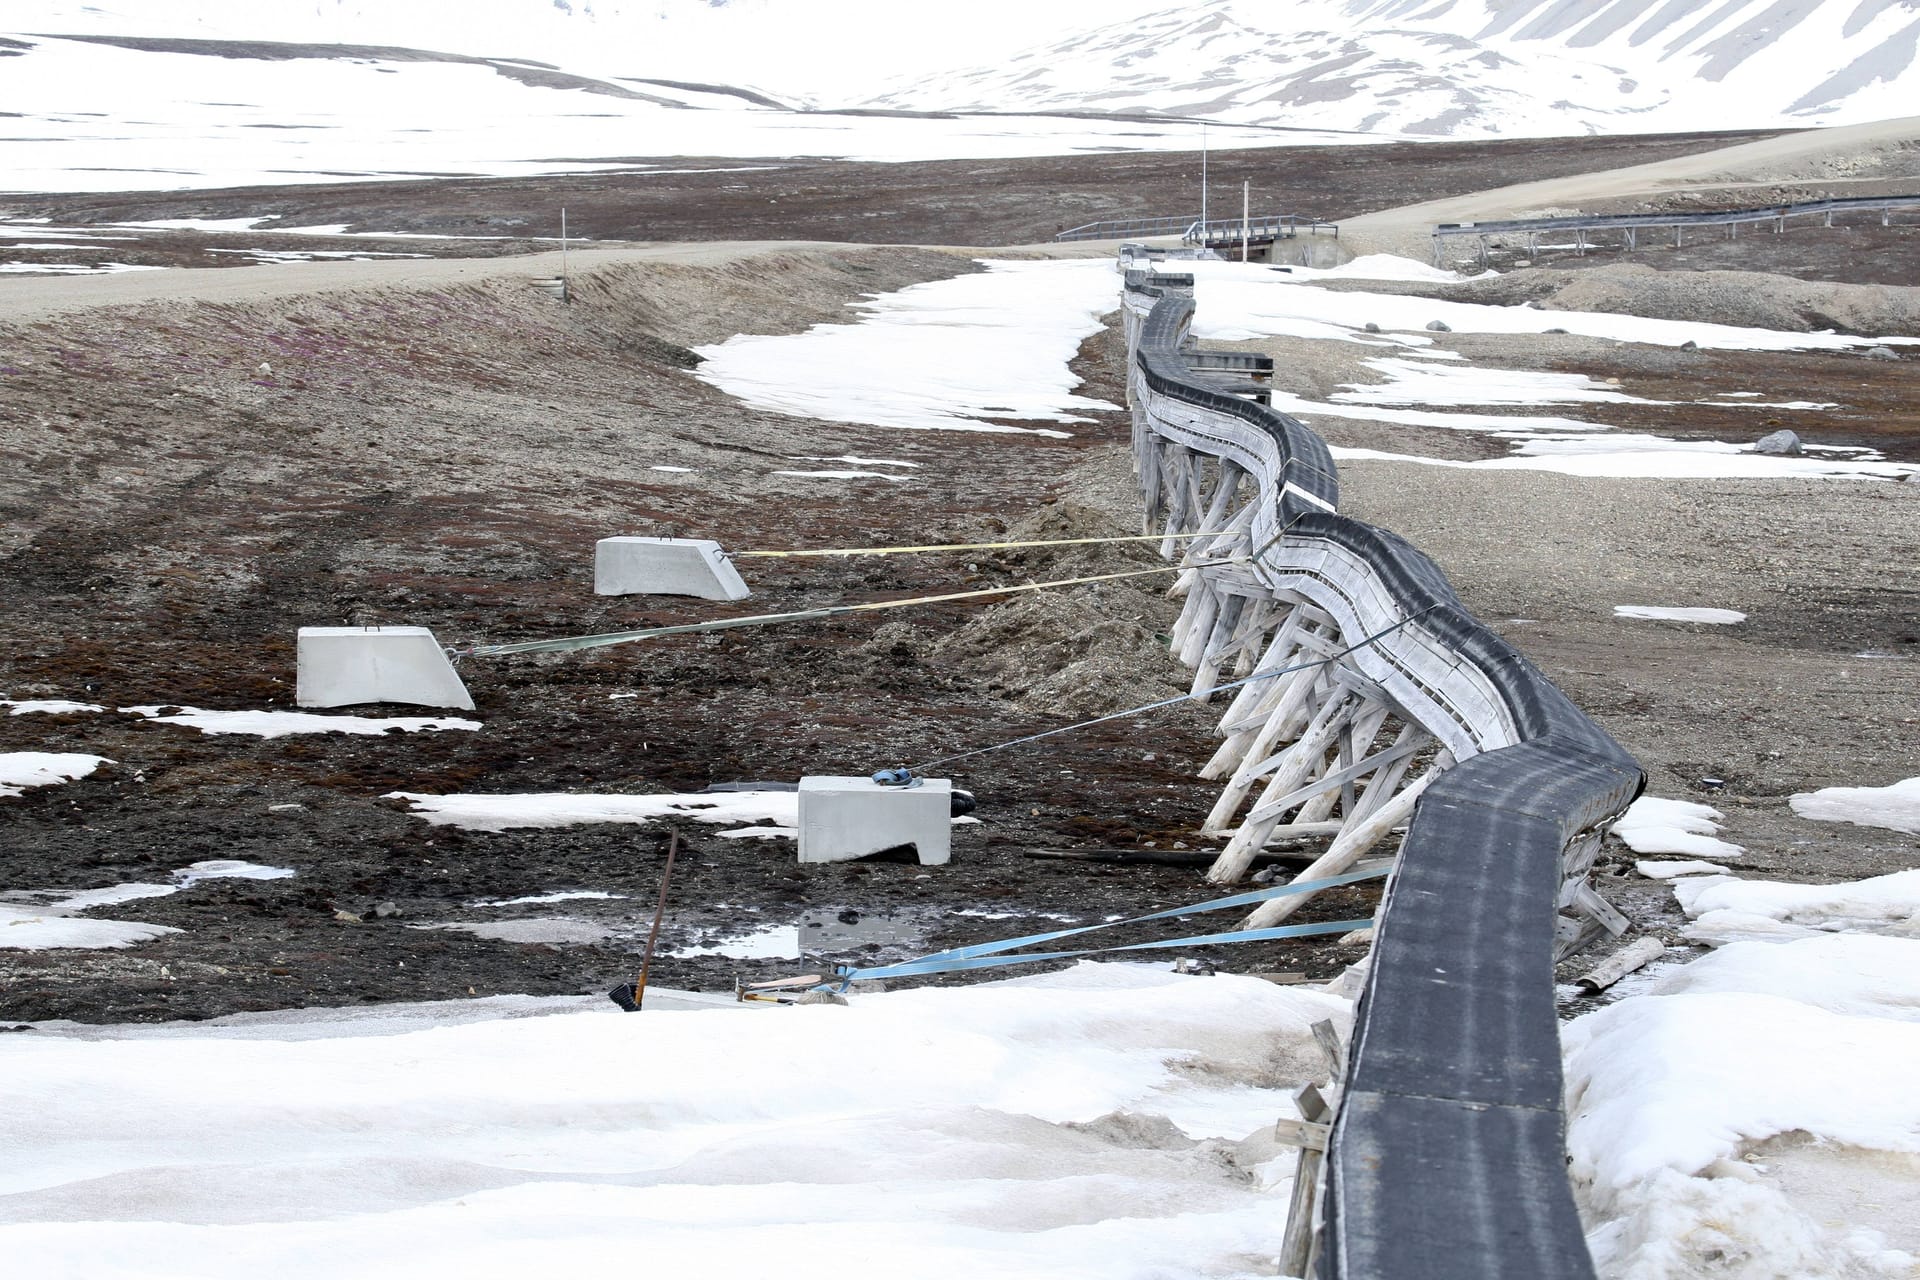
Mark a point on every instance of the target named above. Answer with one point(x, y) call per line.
point(842, 933)
point(556, 929)
point(772, 942)
point(829, 932)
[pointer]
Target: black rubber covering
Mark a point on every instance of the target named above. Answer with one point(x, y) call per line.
point(1447, 1154)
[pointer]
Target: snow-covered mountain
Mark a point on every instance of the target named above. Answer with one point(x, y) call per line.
point(815, 52)
point(1472, 68)
point(126, 94)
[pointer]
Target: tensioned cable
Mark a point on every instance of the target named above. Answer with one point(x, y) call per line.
point(1168, 702)
point(566, 644)
point(959, 546)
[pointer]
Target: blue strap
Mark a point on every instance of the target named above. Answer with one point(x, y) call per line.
point(949, 963)
point(1212, 904)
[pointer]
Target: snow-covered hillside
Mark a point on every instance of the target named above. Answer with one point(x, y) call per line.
point(1472, 68)
point(172, 94)
point(133, 94)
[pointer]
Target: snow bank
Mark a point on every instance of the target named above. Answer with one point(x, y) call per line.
point(945, 355)
point(1680, 1102)
point(935, 1133)
point(1239, 301)
point(1725, 908)
point(20, 770)
point(1655, 825)
point(1896, 807)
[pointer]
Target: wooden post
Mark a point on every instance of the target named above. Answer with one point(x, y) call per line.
point(566, 294)
point(1297, 1246)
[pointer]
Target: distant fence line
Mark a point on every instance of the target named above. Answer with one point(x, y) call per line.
point(1446, 1157)
point(1629, 225)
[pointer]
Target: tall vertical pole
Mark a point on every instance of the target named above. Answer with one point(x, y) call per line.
point(565, 291)
point(1203, 184)
point(1246, 220)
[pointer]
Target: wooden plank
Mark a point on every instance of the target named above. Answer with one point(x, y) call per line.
point(1297, 1247)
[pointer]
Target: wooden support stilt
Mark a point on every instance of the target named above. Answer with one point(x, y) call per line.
point(1206, 668)
point(1353, 841)
point(1290, 768)
point(1193, 644)
point(1278, 655)
point(1292, 714)
point(1336, 780)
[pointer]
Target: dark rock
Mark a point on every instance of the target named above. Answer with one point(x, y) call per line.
point(1882, 353)
point(1439, 326)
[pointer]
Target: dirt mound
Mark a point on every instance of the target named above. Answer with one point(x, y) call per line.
point(1749, 298)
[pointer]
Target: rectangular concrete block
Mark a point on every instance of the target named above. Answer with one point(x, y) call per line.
point(346, 666)
point(665, 567)
point(846, 818)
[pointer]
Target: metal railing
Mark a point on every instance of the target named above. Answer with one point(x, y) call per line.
point(1223, 233)
point(1213, 232)
point(1630, 225)
point(1126, 228)
point(1446, 1158)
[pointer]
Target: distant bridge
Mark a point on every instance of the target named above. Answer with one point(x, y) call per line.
point(1628, 226)
point(1217, 233)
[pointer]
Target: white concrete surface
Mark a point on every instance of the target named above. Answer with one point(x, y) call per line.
point(346, 666)
point(665, 567)
point(846, 818)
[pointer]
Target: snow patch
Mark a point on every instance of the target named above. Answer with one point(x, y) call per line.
point(1655, 825)
point(1661, 613)
point(279, 724)
point(1896, 807)
point(20, 770)
point(942, 356)
point(1043, 1127)
point(1669, 870)
point(46, 706)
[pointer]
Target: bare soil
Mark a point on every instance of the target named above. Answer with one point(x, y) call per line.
point(447, 457)
point(185, 483)
point(942, 202)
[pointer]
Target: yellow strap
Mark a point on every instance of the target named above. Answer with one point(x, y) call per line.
point(571, 643)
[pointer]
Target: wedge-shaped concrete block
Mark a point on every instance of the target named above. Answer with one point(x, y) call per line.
point(665, 567)
point(846, 818)
point(345, 666)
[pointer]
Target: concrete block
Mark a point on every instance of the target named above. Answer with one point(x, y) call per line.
point(665, 567)
point(846, 818)
point(345, 666)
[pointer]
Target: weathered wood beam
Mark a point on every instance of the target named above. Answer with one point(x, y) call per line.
point(1349, 845)
point(1291, 767)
